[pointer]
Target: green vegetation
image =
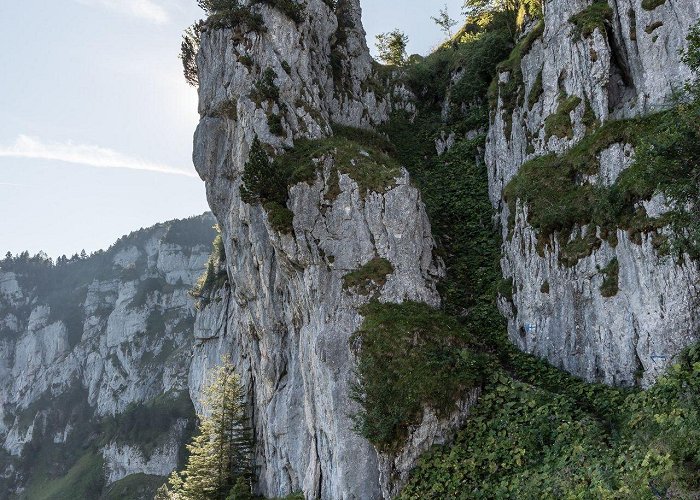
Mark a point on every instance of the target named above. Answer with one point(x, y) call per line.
point(652, 4)
point(215, 277)
point(536, 91)
point(290, 8)
point(266, 89)
point(374, 272)
point(146, 425)
point(228, 109)
point(84, 480)
point(445, 22)
point(596, 16)
point(188, 53)
point(442, 356)
point(134, 487)
point(221, 455)
point(559, 124)
point(230, 14)
point(263, 179)
point(280, 217)
point(530, 441)
point(412, 355)
point(557, 200)
point(512, 91)
point(266, 181)
point(392, 47)
point(357, 153)
point(653, 27)
point(610, 285)
point(362, 155)
point(537, 432)
point(667, 161)
point(274, 123)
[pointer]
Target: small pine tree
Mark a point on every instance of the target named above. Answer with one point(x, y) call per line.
point(392, 47)
point(220, 460)
point(264, 180)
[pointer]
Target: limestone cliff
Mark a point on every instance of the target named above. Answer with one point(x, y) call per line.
point(94, 360)
point(287, 314)
point(585, 65)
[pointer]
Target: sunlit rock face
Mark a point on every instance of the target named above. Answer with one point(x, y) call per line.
point(285, 316)
point(626, 70)
point(87, 341)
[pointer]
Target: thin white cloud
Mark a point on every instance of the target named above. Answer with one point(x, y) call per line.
point(81, 154)
point(141, 9)
point(12, 184)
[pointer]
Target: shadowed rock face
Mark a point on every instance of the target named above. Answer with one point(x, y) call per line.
point(87, 340)
point(626, 70)
point(286, 317)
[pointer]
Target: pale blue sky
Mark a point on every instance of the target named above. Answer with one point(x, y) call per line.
point(97, 121)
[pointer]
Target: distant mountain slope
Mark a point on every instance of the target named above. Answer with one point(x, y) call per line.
point(94, 358)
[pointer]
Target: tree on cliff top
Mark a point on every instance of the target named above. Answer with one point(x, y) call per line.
point(220, 461)
point(516, 11)
point(392, 47)
point(445, 22)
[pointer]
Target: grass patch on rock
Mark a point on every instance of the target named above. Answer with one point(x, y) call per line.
point(374, 272)
point(596, 16)
point(411, 355)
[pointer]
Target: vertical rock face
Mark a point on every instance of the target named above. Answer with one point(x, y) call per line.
point(86, 342)
point(286, 316)
point(625, 67)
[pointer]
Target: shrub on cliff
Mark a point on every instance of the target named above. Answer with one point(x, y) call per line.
point(264, 180)
point(215, 276)
point(188, 52)
point(230, 14)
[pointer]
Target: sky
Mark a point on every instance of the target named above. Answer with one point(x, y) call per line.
point(97, 121)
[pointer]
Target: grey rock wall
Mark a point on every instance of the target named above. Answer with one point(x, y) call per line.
point(286, 317)
point(627, 70)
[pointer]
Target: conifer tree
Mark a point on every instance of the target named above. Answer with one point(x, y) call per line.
point(221, 453)
point(264, 180)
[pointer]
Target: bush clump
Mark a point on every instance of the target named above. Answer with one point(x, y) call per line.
point(215, 277)
point(596, 16)
point(559, 124)
point(293, 10)
point(230, 14)
point(526, 439)
point(652, 4)
point(360, 154)
point(409, 356)
point(375, 271)
point(611, 281)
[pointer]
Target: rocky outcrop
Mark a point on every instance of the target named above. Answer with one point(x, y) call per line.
point(625, 66)
point(287, 316)
point(86, 342)
point(123, 460)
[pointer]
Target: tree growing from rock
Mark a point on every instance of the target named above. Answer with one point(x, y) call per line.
point(188, 52)
point(264, 180)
